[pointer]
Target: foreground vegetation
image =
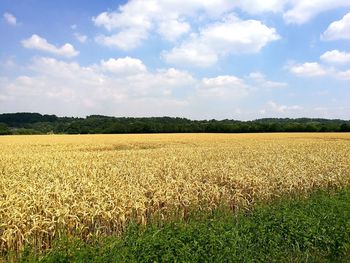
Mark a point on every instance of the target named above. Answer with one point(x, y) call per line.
point(34, 123)
point(298, 229)
point(95, 185)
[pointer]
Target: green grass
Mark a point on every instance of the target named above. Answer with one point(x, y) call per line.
point(295, 229)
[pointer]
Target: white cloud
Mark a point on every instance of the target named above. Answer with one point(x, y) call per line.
point(301, 11)
point(10, 19)
point(224, 87)
point(275, 107)
point(80, 37)
point(339, 112)
point(136, 20)
point(146, 14)
point(229, 36)
point(124, 87)
point(258, 6)
point(8, 64)
point(191, 53)
point(336, 57)
point(66, 88)
point(133, 22)
point(344, 75)
point(3, 98)
point(125, 40)
point(338, 29)
point(173, 29)
point(308, 69)
point(233, 35)
point(260, 80)
point(159, 84)
point(293, 11)
point(175, 78)
point(39, 43)
point(135, 14)
point(124, 66)
point(209, 8)
point(314, 69)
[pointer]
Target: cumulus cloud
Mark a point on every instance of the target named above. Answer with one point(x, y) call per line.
point(39, 43)
point(336, 57)
point(120, 86)
point(258, 6)
point(191, 53)
point(80, 37)
point(124, 40)
point(146, 14)
point(8, 64)
point(308, 69)
point(280, 108)
point(160, 84)
point(10, 19)
point(338, 29)
point(260, 80)
point(123, 66)
point(133, 22)
point(337, 112)
point(173, 29)
point(225, 87)
point(302, 11)
point(229, 36)
point(314, 69)
point(344, 75)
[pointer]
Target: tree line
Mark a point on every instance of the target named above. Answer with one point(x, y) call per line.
point(35, 123)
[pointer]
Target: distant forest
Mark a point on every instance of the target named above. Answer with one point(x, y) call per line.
point(35, 123)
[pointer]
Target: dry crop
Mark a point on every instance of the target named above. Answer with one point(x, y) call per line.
point(94, 184)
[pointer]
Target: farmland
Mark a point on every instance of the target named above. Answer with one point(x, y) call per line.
point(93, 185)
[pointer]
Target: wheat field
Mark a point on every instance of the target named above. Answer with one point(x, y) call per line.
point(92, 185)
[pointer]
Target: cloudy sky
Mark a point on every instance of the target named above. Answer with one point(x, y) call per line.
point(236, 59)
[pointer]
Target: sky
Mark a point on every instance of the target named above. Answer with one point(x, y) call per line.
point(222, 59)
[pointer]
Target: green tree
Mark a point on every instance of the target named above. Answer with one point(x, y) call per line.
point(4, 130)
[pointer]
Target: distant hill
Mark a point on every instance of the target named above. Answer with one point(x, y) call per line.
point(36, 123)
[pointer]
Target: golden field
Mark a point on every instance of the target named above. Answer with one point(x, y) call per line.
point(88, 185)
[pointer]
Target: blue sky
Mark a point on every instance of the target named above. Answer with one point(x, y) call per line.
point(188, 58)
